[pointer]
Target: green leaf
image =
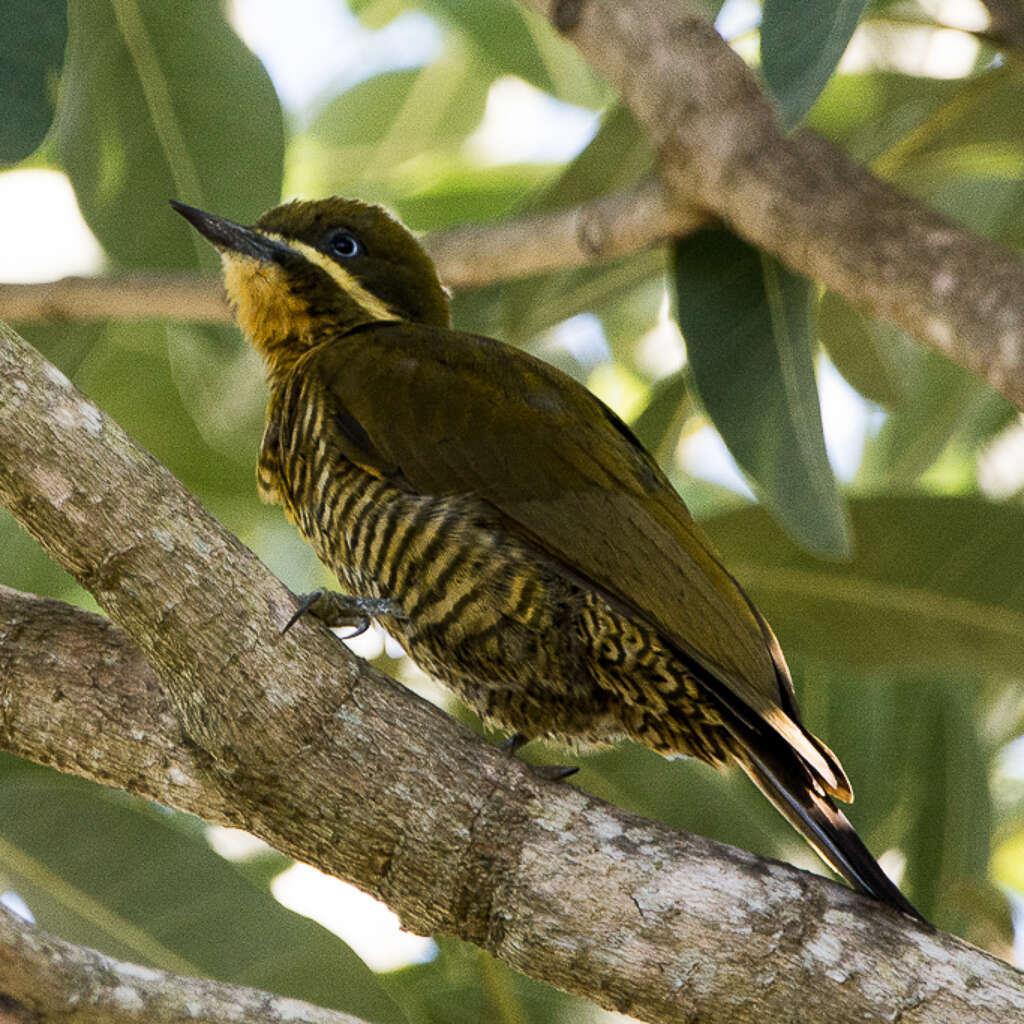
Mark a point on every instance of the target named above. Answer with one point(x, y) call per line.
point(66, 345)
point(105, 871)
point(27, 567)
point(934, 586)
point(376, 14)
point(871, 356)
point(164, 101)
point(991, 206)
point(628, 319)
point(31, 51)
point(802, 41)
point(670, 404)
point(465, 985)
point(25, 564)
point(943, 402)
point(871, 114)
point(512, 40)
point(364, 140)
point(219, 380)
point(975, 131)
point(748, 327)
point(153, 411)
point(464, 193)
point(913, 746)
point(517, 310)
point(1008, 862)
point(616, 157)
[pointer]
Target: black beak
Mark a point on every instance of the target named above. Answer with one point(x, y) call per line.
point(226, 234)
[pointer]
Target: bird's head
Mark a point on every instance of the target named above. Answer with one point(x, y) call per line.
point(309, 271)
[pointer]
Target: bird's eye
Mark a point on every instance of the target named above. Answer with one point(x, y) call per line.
point(344, 244)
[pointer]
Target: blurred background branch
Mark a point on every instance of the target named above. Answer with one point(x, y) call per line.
point(722, 148)
point(466, 257)
point(1007, 22)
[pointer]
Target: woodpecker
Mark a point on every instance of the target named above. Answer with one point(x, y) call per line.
point(504, 524)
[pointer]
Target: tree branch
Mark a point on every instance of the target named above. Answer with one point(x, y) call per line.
point(54, 981)
point(118, 726)
point(723, 155)
point(130, 295)
point(721, 149)
point(466, 257)
point(1006, 22)
point(603, 229)
point(302, 744)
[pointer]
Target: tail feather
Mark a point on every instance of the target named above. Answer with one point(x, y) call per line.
point(824, 826)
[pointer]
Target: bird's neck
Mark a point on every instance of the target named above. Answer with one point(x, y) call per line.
point(277, 318)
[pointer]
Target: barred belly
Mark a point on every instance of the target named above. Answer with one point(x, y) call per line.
point(501, 623)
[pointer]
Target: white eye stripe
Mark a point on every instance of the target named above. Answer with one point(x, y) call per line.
point(347, 282)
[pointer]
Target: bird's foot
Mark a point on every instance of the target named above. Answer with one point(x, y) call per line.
point(340, 610)
point(511, 745)
point(552, 772)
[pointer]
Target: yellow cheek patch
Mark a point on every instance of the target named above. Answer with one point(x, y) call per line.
point(266, 309)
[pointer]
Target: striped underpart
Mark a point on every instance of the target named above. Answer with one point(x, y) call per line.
point(432, 556)
point(521, 642)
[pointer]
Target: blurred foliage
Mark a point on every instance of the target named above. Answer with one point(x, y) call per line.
point(31, 53)
point(747, 322)
point(802, 41)
point(171, 901)
point(906, 644)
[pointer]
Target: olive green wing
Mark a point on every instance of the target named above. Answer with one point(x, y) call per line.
point(447, 413)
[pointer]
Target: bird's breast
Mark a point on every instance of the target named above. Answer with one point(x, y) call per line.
point(479, 607)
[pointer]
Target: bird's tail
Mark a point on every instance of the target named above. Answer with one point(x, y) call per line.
point(789, 787)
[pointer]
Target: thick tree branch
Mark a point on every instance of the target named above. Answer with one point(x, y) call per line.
point(722, 149)
point(119, 725)
point(466, 257)
point(48, 979)
point(112, 713)
point(297, 741)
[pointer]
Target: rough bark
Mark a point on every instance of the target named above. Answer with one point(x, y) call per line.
point(1007, 22)
point(45, 979)
point(302, 744)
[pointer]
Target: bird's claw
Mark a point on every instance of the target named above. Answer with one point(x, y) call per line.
point(306, 602)
point(555, 772)
point(336, 610)
point(514, 743)
point(552, 772)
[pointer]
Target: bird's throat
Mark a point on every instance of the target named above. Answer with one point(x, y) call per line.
point(274, 318)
